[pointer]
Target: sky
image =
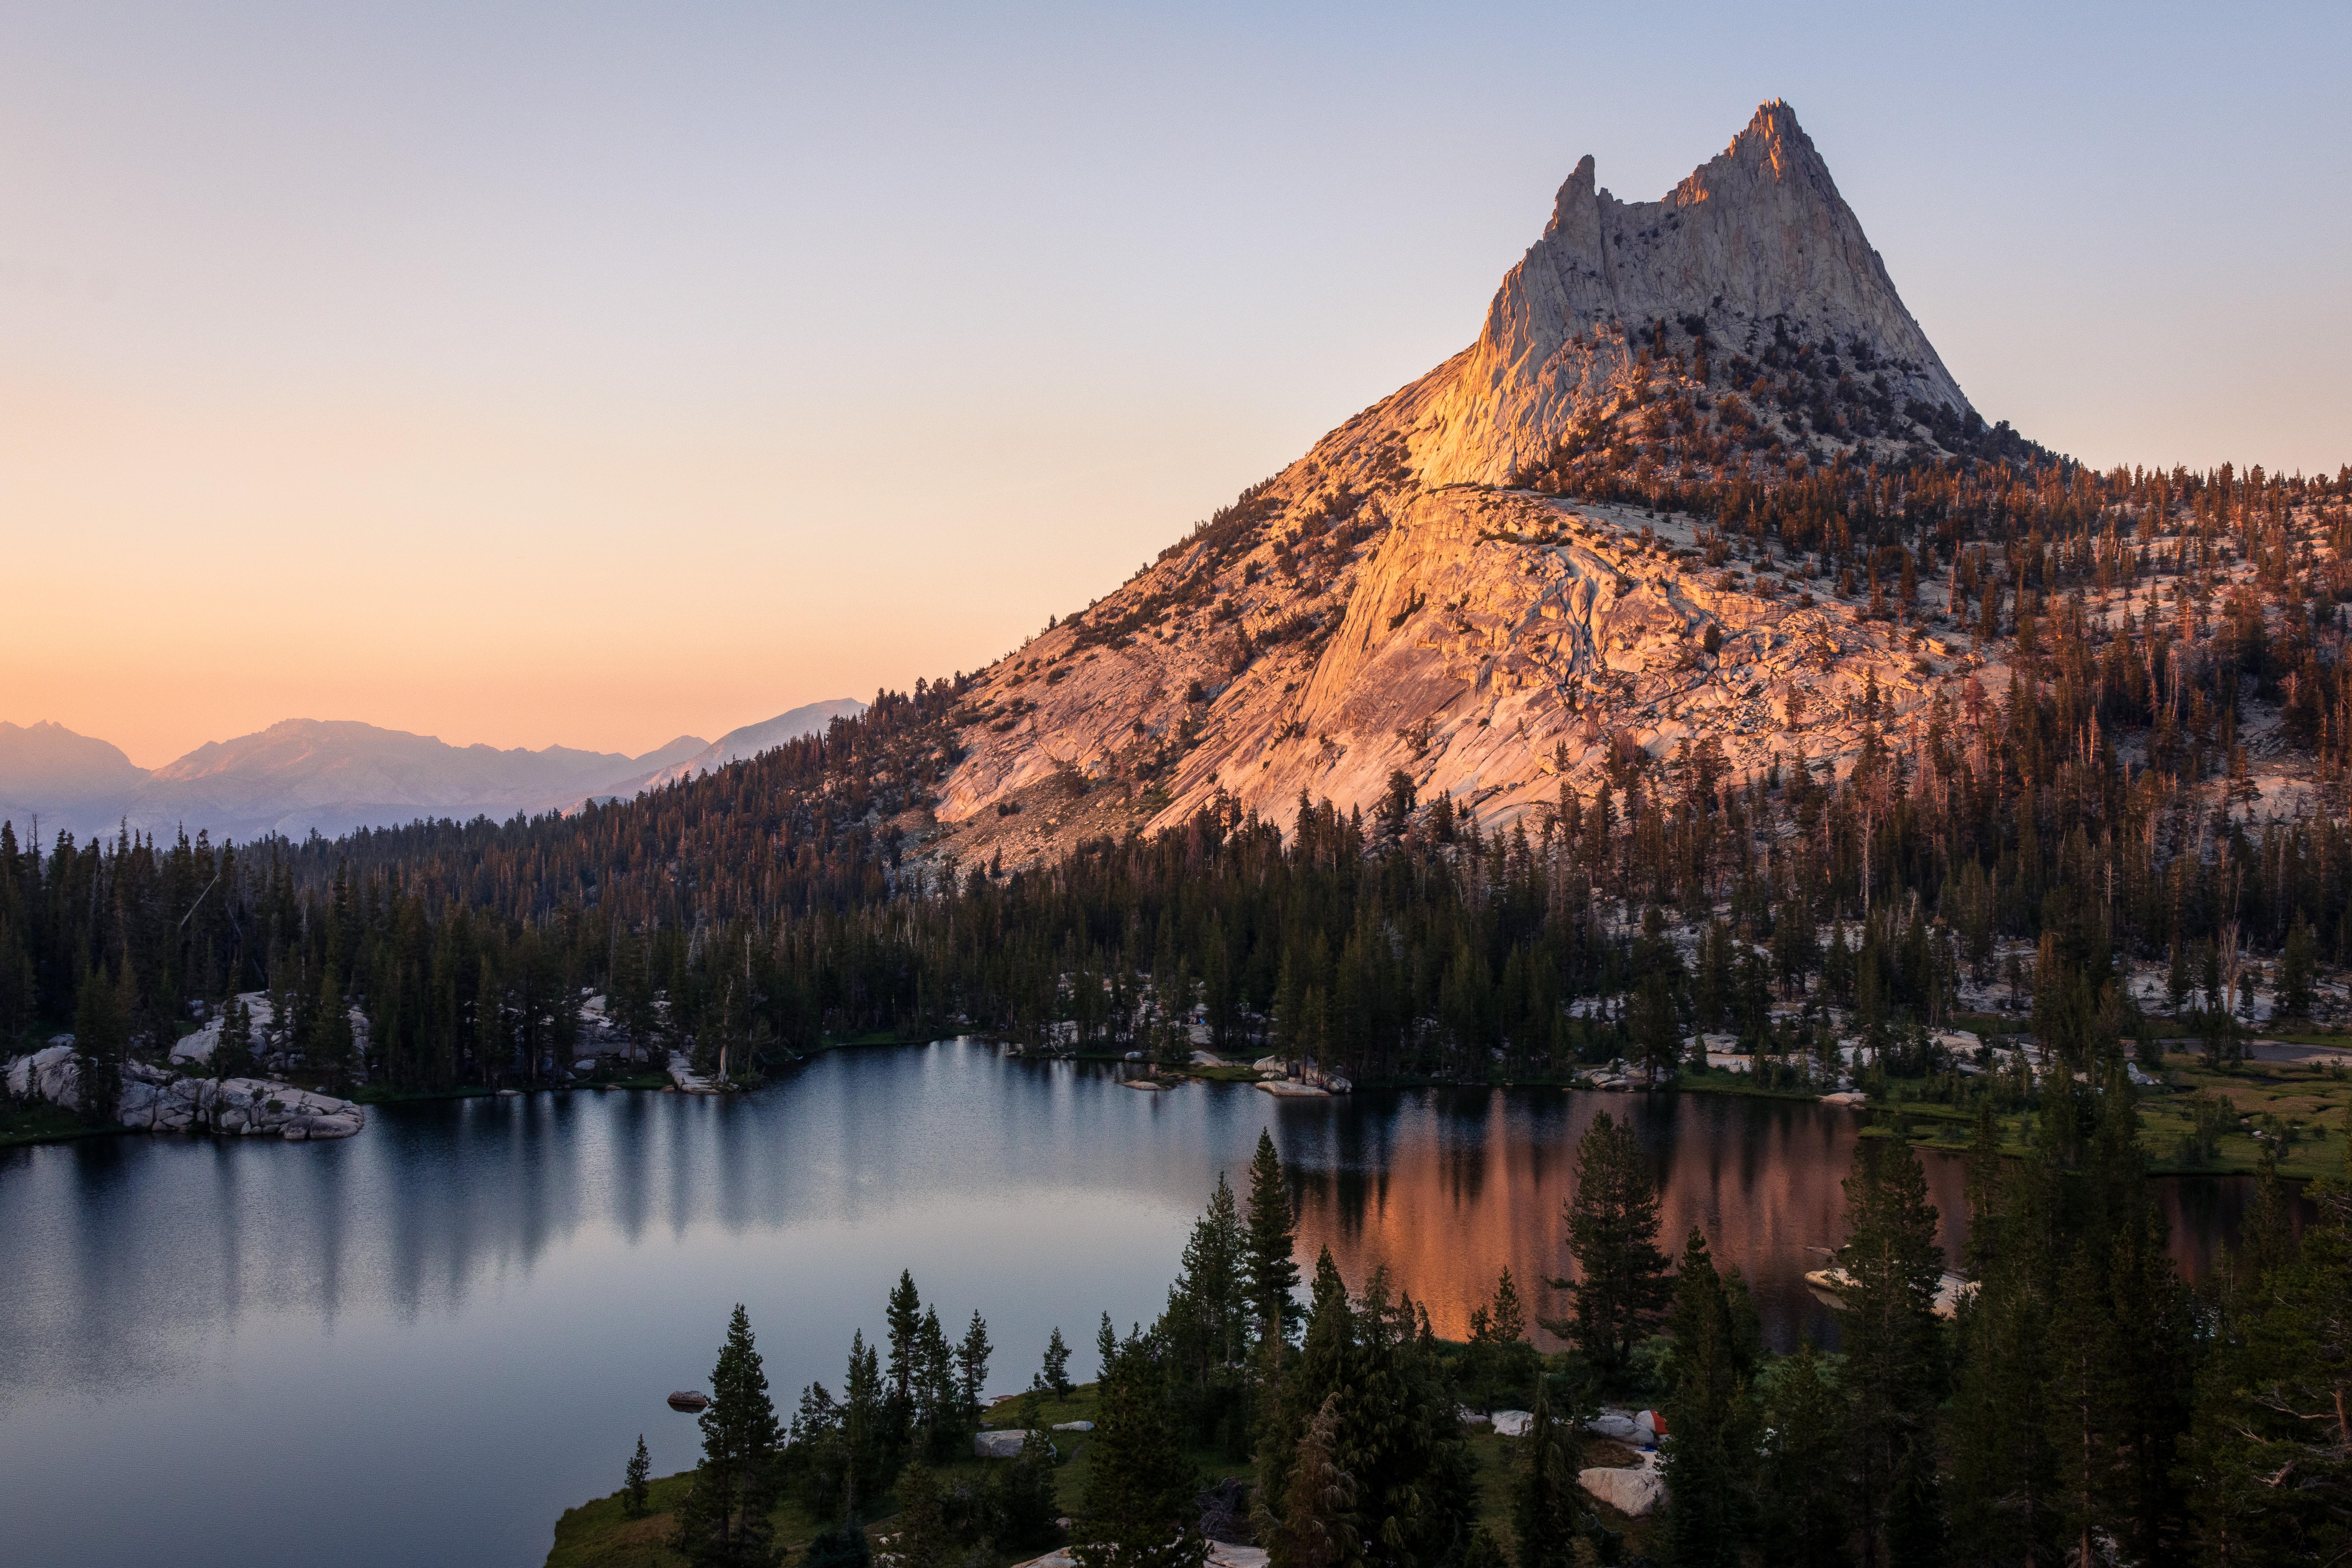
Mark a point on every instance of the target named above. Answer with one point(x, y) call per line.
point(592, 373)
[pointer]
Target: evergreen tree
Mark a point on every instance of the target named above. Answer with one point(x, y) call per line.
point(101, 1043)
point(1711, 1427)
point(1316, 1525)
point(1801, 1520)
point(724, 1523)
point(1622, 1284)
point(2002, 1469)
point(2123, 1354)
point(1657, 1030)
point(1894, 1368)
point(2297, 962)
point(838, 1546)
point(1273, 1244)
point(972, 1374)
point(866, 1432)
point(1206, 1328)
point(1500, 1363)
point(1139, 1487)
point(1484, 1551)
point(1022, 1502)
point(634, 1477)
point(2269, 1464)
point(1546, 1507)
point(920, 1536)
point(1397, 1430)
point(1054, 1376)
point(903, 1316)
point(939, 1403)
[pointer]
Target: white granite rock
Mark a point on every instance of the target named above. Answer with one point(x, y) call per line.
point(153, 1099)
point(1632, 1492)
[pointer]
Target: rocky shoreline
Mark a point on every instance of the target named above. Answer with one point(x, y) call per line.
point(154, 1099)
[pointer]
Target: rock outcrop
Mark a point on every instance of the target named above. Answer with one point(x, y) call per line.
point(151, 1099)
point(1753, 246)
point(1631, 1490)
point(1407, 599)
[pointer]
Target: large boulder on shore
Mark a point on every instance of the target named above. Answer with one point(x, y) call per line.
point(999, 1444)
point(154, 1099)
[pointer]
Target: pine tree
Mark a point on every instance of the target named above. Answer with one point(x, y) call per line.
point(1546, 1507)
point(972, 1374)
point(903, 1315)
point(922, 1538)
point(838, 1546)
point(1500, 1363)
point(1712, 1437)
point(1893, 1369)
point(1801, 1520)
point(1316, 1525)
point(1396, 1430)
point(2123, 1354)
point(1324, 1363)
point(724, 1523)
point(1997, 1430)
point(101, 1041)
point(2297, 964)
point(866, 1432)
point(1484, 1551)
point(1657, 1031)
point(634, 1477)
point(1022, 1502)
point(1054, 1376)
point(1140, 1486)
point(2270, 1466)
point(1272, 1265)
point(1621, 1284)
point(938, 1403)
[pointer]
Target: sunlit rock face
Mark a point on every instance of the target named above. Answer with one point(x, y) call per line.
point(1405, 598)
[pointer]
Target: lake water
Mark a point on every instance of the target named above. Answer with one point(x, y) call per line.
point(421, 1344)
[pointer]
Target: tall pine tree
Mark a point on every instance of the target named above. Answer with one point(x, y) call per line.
point(1621, 1283)
point(1894, 1367)
point(724, 1523)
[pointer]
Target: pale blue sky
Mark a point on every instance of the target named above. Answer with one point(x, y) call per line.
point(589, 373)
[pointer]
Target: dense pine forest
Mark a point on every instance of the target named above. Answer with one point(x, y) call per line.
point(2096, 807)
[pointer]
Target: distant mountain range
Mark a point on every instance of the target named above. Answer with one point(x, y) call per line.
point(334, 775)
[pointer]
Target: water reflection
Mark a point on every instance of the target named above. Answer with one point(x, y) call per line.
point(482, 1300)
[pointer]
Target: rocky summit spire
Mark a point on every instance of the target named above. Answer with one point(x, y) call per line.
point(1754, 247)
point(1491, 584)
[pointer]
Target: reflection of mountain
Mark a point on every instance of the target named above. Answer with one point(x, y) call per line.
point(1445, 1188)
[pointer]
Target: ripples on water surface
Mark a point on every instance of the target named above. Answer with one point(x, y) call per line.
point(421, 1344)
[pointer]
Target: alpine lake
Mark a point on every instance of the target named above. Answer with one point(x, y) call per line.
point(422, 1344)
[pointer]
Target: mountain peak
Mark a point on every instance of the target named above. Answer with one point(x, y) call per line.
point(1753, 248)
point(1420, 596)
